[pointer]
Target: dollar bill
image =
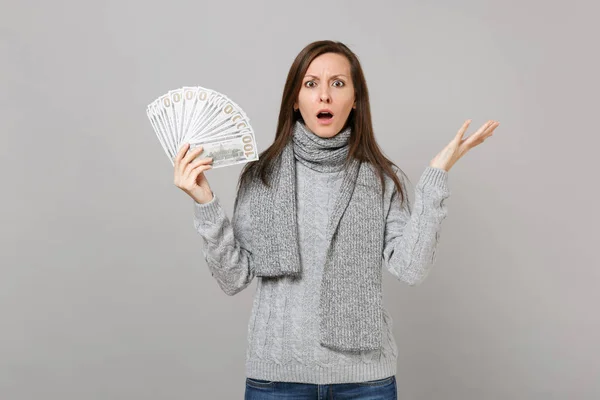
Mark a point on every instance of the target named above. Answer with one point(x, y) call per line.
point(228, 151)
point(202, 116)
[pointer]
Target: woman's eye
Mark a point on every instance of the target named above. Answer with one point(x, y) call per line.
point(340, 83)
point(307, 83)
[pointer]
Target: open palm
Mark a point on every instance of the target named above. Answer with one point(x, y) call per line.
point(459, 146)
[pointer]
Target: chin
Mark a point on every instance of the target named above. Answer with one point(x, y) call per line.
point(324, 131)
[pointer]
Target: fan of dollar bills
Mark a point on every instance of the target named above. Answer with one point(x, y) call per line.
point(200, 116)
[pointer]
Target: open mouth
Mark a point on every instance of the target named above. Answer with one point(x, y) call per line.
point(324, 115)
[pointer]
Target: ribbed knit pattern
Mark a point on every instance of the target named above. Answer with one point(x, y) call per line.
point(283, 330)
point(351, 317)
point(320, 154)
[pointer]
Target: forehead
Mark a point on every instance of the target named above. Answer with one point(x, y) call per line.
point(329, 64)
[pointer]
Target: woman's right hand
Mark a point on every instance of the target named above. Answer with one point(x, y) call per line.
point(189, 176)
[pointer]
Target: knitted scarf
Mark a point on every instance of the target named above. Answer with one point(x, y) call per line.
point(350, 300)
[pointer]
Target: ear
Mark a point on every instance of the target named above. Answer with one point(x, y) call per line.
point(354, 106)
point(295, 105)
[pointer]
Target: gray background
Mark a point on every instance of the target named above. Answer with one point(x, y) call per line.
point(104, 293)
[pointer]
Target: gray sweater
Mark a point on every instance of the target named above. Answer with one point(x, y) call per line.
point(283, 327)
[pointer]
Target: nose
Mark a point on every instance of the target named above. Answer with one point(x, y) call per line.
point(324, 95)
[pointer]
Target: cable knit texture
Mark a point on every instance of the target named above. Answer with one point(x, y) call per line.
point(283, 330)
point(350, 299)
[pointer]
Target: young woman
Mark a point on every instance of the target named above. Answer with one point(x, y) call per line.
point(315, 219)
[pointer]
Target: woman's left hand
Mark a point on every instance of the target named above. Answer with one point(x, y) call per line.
point(458, 147)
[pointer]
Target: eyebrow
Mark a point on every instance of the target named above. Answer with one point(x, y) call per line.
point(334, 76)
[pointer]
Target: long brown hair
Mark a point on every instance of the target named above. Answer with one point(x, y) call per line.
point(362, 143)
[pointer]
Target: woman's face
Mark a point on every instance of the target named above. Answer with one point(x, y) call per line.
point(327, 95)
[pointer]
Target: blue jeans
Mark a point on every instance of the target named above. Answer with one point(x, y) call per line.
point(380, 389)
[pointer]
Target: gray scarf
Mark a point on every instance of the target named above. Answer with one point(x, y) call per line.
point(351, 297)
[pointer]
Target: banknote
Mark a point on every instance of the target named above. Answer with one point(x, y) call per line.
point(235, 149)
point(203, 116)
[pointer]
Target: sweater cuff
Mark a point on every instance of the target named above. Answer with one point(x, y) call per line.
point(207, 212)
point(435, 177)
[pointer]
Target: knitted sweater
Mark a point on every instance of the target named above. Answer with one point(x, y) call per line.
point(283, 327)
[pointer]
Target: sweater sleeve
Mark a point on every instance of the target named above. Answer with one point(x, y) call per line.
point(226, 245)
point(411, 236)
